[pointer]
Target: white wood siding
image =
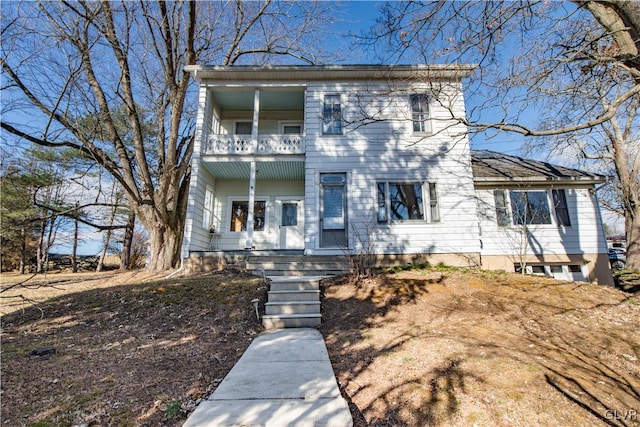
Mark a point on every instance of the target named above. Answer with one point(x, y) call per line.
point(378, 145)
point(386, 150)
point(583, 236)
point(193, 235)
point(226, 190)
point(203, 119)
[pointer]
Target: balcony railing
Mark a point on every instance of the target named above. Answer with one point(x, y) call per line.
point(245, 144)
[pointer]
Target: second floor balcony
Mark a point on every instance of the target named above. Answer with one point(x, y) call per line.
point(262, 120)
point(276, 144)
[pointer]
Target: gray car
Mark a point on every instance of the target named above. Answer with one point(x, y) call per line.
point(617, 258)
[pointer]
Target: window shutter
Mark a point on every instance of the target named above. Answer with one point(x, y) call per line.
point(502, 211)
point(433, 202)
point(562, 210)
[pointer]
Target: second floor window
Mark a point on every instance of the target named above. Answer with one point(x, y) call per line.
point(332, 115)
point(243, 128)
point(420, 113)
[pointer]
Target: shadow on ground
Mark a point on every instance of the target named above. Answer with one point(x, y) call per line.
point(431, 347)
point(126, 355)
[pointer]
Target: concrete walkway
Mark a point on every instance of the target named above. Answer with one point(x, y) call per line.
point(283, 379)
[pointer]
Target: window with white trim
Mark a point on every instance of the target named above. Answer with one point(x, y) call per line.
point(243, 128)
point(332, 115)
point(420, 113)
point(291, 128)
point(530, 207)
point(207, 212)
point(240, 212)
point(406, 201)
point(515, 207)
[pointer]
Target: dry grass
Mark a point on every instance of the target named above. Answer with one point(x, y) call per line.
point(436, 346)
point(131, 349)
point(457, 348)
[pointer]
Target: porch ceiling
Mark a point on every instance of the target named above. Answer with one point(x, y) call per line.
point(272, 170)
point(242, 99)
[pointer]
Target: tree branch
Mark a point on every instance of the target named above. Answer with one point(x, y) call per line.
point(607, 115)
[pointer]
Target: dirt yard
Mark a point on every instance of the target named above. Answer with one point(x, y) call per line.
point(448, 347)
point(437, 346)
point(130, 349)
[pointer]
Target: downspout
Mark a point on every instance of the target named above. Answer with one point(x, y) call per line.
point(178, 270)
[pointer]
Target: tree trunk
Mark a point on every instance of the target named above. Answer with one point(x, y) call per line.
point(165, 224)
point(165, 234)
point(112, 219)
point(49, 242)
point(165, 237)
point(164, 244)
point(74, 255)
point(23, 249)
point(107, 239)
point(103, 254)
point(632, 231)
point(627, 172)
point(40, 251)
point(125, 256)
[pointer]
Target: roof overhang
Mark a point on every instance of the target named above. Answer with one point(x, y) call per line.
point(330, 72)
point(537, 181)
point(491, 168)
point(267, 168)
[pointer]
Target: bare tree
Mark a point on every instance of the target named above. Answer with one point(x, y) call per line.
point(115, 197)
point(362, 258)
point(64, 61)
point(573, 66)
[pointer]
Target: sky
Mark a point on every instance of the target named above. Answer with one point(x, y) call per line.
point(359, 16)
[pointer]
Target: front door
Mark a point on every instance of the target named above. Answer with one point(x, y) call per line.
point(290, 219)
point(333, 210)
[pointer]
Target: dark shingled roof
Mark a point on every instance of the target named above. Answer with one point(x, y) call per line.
point(489, 166)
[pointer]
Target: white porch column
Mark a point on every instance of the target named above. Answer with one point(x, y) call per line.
point(252, 174)
point(252, 197)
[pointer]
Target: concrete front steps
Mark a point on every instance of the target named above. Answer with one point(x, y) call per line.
point(297, 265)
point(294, 294)
point(293, 302)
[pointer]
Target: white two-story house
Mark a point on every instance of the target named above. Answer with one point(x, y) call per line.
point(329, 160)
